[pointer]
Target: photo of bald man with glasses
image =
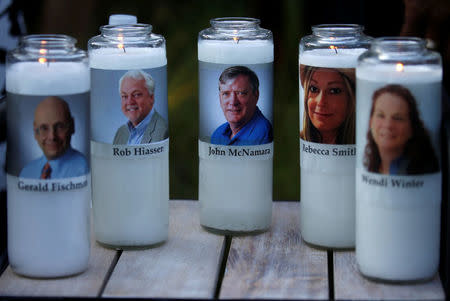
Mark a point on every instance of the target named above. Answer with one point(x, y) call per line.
point(53, 129)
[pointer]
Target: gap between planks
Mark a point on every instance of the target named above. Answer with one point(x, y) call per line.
point(223, 264)
point(109, 273)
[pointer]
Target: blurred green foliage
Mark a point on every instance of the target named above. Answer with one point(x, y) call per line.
point(180, 22)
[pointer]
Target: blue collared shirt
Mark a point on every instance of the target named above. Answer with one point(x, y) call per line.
point(399, 166)
point(71, 164)
point(136, 133)
point(257, 131)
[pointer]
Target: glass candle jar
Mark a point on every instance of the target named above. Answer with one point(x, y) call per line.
point(48, 175)
point(236, 125)
point(327, 61)
point(129, 136)
point(398, 175)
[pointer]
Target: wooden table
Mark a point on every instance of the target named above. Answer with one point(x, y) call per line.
point(197, 264)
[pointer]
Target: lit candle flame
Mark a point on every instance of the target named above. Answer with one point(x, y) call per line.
point(235, 39)
point(334, 48)
point(42, 51)
point(120, 45)
point(399, 67)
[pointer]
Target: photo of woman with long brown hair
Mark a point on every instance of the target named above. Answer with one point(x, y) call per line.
point(397, 140)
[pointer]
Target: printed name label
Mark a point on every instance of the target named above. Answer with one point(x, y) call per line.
point(392, 182)
point(136, 151)
point(327, 149)
point(392, 191)
point(327, 158)
point(253, 152)
point(151, 150)
point(57, 185)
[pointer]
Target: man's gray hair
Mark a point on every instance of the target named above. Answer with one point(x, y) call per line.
point(235, 71)
point(139, 75)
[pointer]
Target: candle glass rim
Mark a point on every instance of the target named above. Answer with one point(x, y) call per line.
point(399, 45)
point(51, 47)
point(337, 29)
point(405, 50)
point(51, 40)
point(348, 36)
point(399, 40)
point(126, 29)
point(235, 29)
point(234, 22)
point(121, 36)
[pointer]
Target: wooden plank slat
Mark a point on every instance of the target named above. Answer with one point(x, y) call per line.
point(86, 284)
point(351, 285)
point(186, 266)
point(276, 264)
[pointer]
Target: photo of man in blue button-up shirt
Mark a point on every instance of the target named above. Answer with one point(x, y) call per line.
point(145, 124)
point(53, 130)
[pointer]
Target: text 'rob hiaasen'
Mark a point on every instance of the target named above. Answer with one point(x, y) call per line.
point(137, 151)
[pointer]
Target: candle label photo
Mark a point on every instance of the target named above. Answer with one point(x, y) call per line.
point(327, 105)
point(48, 179)
point(236, 111)
point(129, 112)
point(398, 176)
point(48, 140)
point(327, 151)
point(399, 129)
point(130, 156)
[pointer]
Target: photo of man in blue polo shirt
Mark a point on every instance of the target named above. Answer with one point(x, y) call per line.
point(239, 94)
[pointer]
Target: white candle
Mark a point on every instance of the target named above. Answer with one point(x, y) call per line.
point(327, 201)
point(33, 78)
point(235, 195)
point(230, 52)
point(48, 232)
point(130, 195)
point(330, 58)
point(398, 228)
point(131, 58)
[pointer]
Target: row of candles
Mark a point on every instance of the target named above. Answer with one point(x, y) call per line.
point(362, 102)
